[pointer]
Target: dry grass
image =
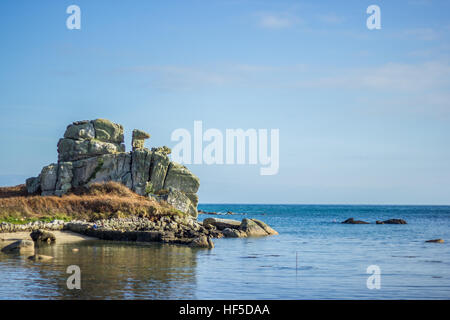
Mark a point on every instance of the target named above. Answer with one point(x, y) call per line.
point(101, 200)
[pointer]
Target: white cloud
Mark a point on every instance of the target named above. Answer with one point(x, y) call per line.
point(330, 18)
point(425, 34)
point(277, 20)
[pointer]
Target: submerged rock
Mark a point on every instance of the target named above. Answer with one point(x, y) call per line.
point(392, 221)
point(222, 224)
point(20, 246)
point(353, 221)
point(40, 257)
point(436, 241)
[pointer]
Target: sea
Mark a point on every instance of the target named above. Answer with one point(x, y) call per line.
point(314, 256)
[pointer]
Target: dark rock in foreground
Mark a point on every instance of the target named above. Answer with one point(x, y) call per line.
point(20, 246)
point(42, 236)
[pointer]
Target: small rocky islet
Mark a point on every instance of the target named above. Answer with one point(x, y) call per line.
point(92, 152)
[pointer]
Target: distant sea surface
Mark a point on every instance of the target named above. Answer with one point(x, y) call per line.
point(313, 257)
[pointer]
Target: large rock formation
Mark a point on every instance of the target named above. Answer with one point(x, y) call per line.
point(94, 151)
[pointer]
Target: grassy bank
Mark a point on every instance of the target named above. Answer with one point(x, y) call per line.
point(100, 201)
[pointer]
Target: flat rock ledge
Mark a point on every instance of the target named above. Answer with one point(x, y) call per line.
point(389, 221)
point(182, 230)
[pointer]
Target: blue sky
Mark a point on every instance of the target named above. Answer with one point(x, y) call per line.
point(364, 115)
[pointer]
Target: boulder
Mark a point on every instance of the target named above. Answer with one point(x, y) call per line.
point(179, 201)
point(392, 221)
point(48, 178)
point(222, 224)
point(108, 131)
point(202, 242)
point(80, 130)
point(20, 246)
point(233, 233)
point(42, 236)
point(73, 150)
point(33, 185)
point(252, 229)
point(436, 241)
point(266, 228)
point(164, 150)
point(180, 178)
point(353, 221)
point(138, 139)
point(159, 166)
point(140, 170)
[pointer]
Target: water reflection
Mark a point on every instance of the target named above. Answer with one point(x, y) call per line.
point(109, 270)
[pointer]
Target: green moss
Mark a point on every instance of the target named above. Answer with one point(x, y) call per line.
point(99, 166)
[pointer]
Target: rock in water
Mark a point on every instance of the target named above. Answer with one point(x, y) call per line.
point(233, 233)
point(42, 236)
point(266, 228)
point(252, 229)
point(436, 241)
point(222, 224)
point(40, 257)
point(202, 242)
point(353, 221)
point(20, 246)
point(392, 221)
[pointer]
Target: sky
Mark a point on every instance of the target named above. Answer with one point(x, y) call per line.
point(363, 115)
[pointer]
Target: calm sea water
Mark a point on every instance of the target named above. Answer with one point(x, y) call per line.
point(314, 257)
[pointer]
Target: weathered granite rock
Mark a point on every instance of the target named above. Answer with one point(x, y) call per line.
point(138, 139)
point(104, 168)
point(353, 221)
point(42, 236)
point(392, 221)
point(252, 229)
point(80, 130)
point(108, 131)
point(73, 150)
point(20, 246)
point(93, 151)
point(140, 170)
point(180, 178)
point(33, 185)
point(179, 201)
point(159, 166)
point(164, 150)
point(222, 224)
point(266, 228)
point(64, 181)
point(48, 178)
point(234, 233)
point(202, 242)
